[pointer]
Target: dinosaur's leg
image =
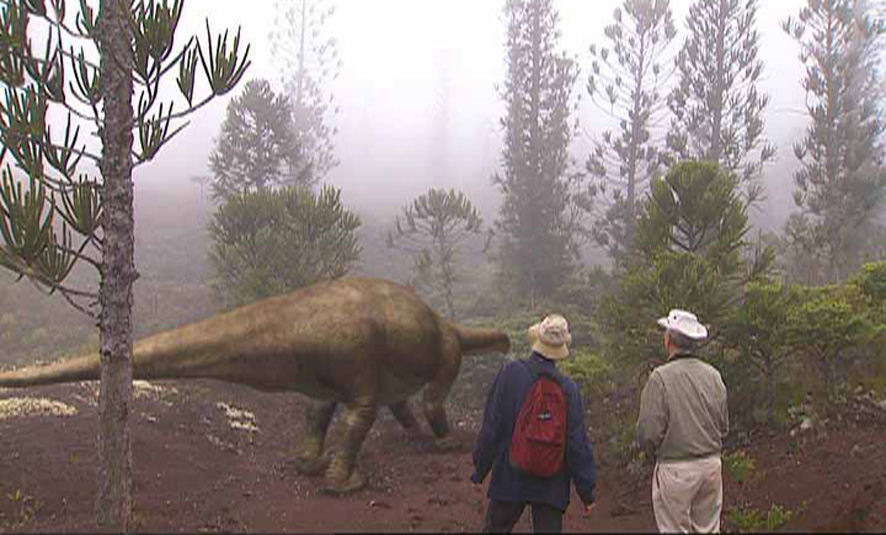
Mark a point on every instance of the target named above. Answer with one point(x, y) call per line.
point(342, 475)
point(435, 397)
point(403, 413)
point(311, 459)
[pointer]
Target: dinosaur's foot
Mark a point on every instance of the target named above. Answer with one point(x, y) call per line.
point(345, 486)
point(447, 443)
point(311, 466)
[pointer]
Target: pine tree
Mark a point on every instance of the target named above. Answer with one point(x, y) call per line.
point(257, 147)
point(134, 46)
point(538, 220)
point(717, 106)
point(309, 63)
point(841, 183)
point(627, 81)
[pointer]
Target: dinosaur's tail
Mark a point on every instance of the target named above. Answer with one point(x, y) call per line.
point(65, 371)
point(473, 340)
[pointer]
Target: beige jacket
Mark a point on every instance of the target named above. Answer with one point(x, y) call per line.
point(683, 413)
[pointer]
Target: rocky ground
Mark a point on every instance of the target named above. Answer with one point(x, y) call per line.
point(213, 457)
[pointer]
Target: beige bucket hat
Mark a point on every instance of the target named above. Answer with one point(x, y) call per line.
point(551, 337)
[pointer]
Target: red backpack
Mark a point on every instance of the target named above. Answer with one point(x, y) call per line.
point(538, 445)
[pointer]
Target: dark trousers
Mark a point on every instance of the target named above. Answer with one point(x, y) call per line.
point(502, 516)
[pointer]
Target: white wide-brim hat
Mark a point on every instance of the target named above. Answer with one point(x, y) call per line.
point(685, 323)
point(551, 337)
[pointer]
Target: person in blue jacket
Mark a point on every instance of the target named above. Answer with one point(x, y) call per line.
point(510, 489)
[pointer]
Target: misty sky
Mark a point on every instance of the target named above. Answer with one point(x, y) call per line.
point(398, 55)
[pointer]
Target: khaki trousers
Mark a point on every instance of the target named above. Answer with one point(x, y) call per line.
point(687, 496)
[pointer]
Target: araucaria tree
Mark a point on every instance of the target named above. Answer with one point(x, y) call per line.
point(538, 218)
point(687, 254)
point(270, 241)
point(628, 82)
point(434, 229)
point(257, 147)
point(841, 183)
point(135, 50)
point(308, 61)
point(717, 106)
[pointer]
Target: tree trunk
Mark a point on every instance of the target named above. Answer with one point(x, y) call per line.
point(114, 507)
point(636, 128)
point(716, 148)
point(300, 83)
point(770, 397)
point(536, 146)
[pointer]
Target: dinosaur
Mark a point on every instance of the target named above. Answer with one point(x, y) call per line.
point(361, 342)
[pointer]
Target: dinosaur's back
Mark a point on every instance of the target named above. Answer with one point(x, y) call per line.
point(328, 340)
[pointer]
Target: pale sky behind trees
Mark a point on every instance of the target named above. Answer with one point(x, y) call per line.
point(395, 140)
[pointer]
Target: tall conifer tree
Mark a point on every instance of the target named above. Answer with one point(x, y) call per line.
point(257, 145)
point(308, 60)
point(628, 82)
point(717, 105)
point(538, 218)
point(841, 183)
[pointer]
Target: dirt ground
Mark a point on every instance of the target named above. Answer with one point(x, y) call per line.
point(213, 457)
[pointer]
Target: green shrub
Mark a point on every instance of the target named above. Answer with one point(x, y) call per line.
point(750, 520)
point(740, 466)
point(744, 520)
point(591, 372)
point(872, 282)
point(827, 327)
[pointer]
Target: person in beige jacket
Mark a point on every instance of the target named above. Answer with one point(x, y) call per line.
point(683, 421)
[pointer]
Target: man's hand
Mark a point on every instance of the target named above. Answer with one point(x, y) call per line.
point(588, 508)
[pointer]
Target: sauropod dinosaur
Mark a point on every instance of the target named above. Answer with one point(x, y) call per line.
point(362, 342)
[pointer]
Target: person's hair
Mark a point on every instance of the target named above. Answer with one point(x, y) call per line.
point(681, 341)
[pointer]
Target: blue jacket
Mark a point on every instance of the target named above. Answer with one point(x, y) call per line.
point(509, 484)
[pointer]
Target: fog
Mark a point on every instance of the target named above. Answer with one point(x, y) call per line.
point(399, 133)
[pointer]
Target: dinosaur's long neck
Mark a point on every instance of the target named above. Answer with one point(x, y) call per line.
point(77, 369)
point(195, 350)
point(201, 349)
